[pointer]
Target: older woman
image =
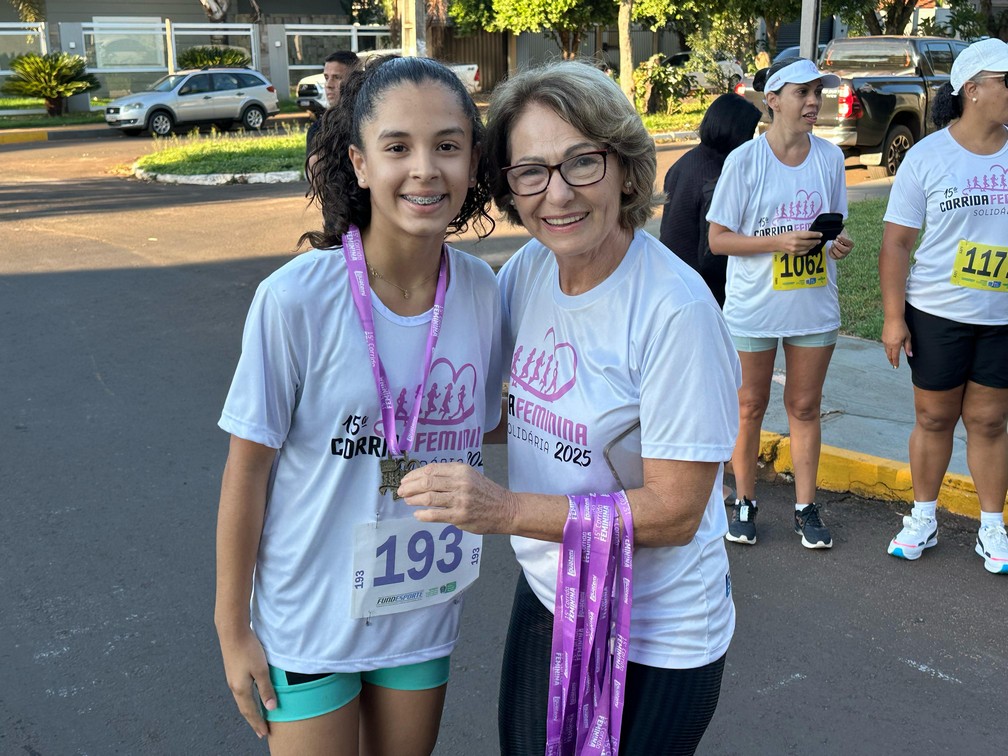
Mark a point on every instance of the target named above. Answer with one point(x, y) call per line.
point(949, 312)
point(622, 376)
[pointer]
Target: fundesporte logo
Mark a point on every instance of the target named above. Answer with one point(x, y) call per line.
point(547, 370)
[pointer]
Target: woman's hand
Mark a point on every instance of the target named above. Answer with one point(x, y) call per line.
point(896, 336)
point(841, 247)
point(245, 664)
point(457, 494)
point(797, 242)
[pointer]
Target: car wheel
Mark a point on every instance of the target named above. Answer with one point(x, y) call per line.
point(253, 118)
point(897, 142)
point(161, 123)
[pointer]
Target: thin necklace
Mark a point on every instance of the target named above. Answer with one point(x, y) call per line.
point(405, 292)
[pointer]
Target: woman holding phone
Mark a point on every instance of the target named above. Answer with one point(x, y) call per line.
point(782, 281)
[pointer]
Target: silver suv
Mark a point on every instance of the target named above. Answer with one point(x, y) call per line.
point(220, 96)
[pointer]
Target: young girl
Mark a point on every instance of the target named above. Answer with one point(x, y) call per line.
point(781, 283)
point(356, 605)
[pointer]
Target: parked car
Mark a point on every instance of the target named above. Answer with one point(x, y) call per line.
point(221, 96)
point(795, 52)
point(730, 69)
point(311, 89)
point(883, 104)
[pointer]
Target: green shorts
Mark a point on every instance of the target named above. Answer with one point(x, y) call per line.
point(759, 344)
point(321, 694)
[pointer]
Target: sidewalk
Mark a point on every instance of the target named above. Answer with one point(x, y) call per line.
point(100, 130)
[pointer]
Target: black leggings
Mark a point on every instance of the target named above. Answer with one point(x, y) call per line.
point(667, 710)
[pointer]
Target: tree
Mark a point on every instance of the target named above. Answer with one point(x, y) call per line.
point(30, 11)
point(53, 77)
point(566, 20)
point(216, 10)
point(887, 17)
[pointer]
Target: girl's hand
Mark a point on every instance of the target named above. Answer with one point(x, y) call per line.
point(797, 242)
point(457, 494)
point(841, 247)
point(896, 336)
point(245, 664)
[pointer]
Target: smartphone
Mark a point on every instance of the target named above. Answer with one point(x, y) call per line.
point(623, 456)
point(829, 225)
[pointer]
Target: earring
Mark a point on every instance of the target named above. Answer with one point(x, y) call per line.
point(974, 99)
point(511, 202)
point(627, 185)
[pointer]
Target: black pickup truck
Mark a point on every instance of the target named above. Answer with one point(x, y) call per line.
point(883, 104)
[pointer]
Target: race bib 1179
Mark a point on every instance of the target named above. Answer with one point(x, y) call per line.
point(980, 266)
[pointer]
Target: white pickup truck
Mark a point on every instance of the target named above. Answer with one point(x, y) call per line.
point(311, 89)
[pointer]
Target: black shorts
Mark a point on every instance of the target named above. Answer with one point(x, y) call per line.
point(947, 353)
point(666, 710)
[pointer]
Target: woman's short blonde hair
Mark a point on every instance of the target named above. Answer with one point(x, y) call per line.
point(592, 103)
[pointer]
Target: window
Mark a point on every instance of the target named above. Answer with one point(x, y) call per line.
point(223, 82)
point(197, 84)
point(939, 55)
point(249, 80)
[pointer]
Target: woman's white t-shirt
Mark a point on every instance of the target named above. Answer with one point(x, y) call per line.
point(961, 200)
point(758, 195)
point(646, 345)
point(304, 385)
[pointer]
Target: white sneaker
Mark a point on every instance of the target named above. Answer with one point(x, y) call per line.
point(918, 534)
point(992, 545)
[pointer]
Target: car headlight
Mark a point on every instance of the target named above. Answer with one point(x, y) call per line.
point(132, 106)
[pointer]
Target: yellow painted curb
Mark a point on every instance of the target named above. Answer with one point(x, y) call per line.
point(865, 475)
point(17, 137)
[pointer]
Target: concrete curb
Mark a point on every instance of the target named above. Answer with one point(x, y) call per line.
point(219, 179)
point(18, 137)
point(845, 471)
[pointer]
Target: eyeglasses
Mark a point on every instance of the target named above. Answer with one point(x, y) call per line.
point(585, 169)
point(1003, 77)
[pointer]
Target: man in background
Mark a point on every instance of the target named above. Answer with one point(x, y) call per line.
point(338, 66)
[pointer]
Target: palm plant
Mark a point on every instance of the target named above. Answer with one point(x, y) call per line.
point(53, 77)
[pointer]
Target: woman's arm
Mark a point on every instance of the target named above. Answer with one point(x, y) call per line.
point(239, 528)
point(724, 241)
point(667, 509)
point(894, 265)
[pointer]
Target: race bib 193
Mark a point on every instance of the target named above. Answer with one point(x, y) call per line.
point(793, 272)
point(980, 266)
point(404, 564)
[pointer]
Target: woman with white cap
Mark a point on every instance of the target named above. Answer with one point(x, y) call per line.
point(949, 312)
point(782, 282)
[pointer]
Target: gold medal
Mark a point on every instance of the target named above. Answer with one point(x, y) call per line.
point(393, 470)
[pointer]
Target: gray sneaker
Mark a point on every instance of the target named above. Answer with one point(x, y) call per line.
point(809, 525)
point(742, 528)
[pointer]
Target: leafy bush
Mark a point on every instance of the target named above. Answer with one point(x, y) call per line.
point(658, 88)
point(202, 57)
point(53, 77)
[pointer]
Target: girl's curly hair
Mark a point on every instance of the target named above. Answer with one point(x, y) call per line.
point(333, 183)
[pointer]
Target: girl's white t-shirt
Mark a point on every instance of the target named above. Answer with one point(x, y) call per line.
point(757, 195)
point(960, 198)
point(304, 385)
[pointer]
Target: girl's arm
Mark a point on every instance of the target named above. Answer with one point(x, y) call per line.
point(239, 528)
point(894, 265)
point(667, 509)
point(724, 241)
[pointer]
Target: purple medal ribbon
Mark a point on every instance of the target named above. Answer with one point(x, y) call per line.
point(591, 628)
point(360, 288)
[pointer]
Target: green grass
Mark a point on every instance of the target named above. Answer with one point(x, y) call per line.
point(42, 121)
point(688, 118)
point(227, 153)
point(860, 295)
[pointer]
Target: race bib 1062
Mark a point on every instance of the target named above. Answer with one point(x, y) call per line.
point(793, 272)
point(980, 266)
point(404, 564)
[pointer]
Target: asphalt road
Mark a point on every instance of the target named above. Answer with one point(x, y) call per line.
point(121, 306)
